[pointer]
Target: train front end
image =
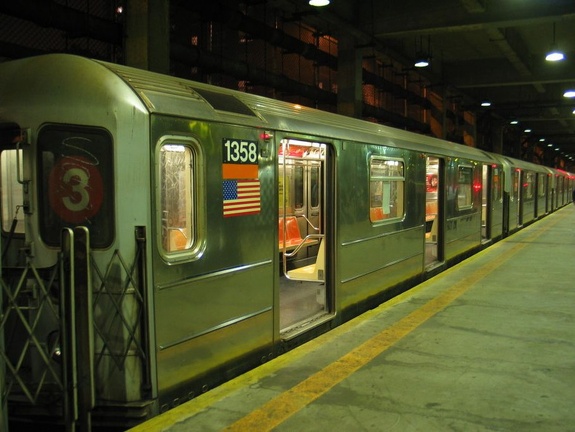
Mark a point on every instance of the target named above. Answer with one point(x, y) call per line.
point(74, 297)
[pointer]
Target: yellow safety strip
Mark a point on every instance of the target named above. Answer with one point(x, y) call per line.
point(290, 402)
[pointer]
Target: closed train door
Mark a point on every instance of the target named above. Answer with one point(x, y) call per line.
point(304, 190)
point(434, 214)
point(486, 199)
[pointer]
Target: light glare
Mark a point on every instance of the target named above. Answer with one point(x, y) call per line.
point(318, 3)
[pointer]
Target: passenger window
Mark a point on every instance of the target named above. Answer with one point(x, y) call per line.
point(465, 188)
point(386, 186)
point(12, 192)
point(177, 172)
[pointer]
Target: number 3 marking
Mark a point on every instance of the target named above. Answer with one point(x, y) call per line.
point(78, 187)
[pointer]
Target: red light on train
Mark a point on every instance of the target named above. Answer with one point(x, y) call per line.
point(476, 187)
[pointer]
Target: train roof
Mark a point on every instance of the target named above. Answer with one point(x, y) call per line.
point(176, 96)
point(74, 80)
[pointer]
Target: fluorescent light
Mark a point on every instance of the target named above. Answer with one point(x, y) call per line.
point(485, 104)
point(421, 63)
point(569, 94)
point(318, 3)
point(555, 55)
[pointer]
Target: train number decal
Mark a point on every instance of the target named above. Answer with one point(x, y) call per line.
point(240, 151)
point(76, 189)
point(239, 159)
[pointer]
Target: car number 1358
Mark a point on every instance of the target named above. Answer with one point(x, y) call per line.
point(240, 151)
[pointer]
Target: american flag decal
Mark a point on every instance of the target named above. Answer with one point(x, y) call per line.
point(241, 197)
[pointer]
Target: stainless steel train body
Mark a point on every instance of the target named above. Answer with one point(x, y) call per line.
point(209, 230)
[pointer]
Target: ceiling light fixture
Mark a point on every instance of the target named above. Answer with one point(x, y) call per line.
point(423, 58)
point(486, 103)
point(569, 94)
point(318, 3)
point(421, 62)
point(554, 54)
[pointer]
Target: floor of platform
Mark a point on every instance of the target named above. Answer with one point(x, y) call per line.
point(488, 345)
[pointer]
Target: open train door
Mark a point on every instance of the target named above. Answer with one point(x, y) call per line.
point(434, 213)
point(305, 190)
point(486, 199)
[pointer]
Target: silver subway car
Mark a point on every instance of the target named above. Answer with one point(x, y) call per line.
point(161, 236)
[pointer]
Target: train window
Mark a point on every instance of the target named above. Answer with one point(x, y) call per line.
point(497, 184)
point(177, 164)
point(298, 187)
point(76, 182)
point(386, 186)
point(314, 186)
point(12, 192)
point(541, 185)
point(465, 188)
point(528, 185)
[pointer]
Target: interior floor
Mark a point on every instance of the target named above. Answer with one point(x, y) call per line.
point(300, 301)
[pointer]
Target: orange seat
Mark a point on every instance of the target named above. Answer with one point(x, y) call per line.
point(376, 214)
point(292, 233)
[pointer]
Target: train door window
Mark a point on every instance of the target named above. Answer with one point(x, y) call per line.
point(386, 186)
point(314, 186)
point(76, 182)
point(298, 189)
point(12, 191)
point(465, 188)
point(541, 185)
point(528, 185)
point(177, 163)
point(497, 187)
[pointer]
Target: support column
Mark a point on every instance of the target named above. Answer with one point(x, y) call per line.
point(349, 78)
point(147, 35)
point(497, 140)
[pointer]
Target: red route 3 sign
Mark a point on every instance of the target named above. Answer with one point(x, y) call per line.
point(76, 189)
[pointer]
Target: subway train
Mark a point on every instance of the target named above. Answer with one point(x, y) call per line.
point(161, 236)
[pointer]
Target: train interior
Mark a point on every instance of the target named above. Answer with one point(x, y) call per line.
point(11, 171)
point(433, 242)
point(301, 235)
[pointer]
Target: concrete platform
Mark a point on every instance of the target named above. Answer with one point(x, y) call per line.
point(488, 345)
